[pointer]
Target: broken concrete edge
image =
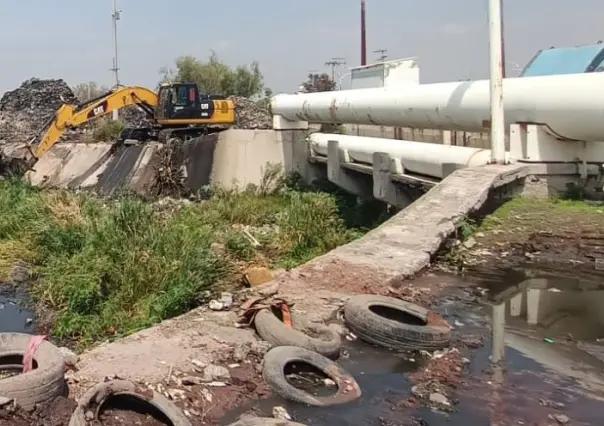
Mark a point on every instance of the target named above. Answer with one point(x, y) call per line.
point(398, 249)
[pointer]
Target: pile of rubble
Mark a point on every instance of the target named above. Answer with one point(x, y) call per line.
point(25, 111)
point(133, 116)
point(250, 115)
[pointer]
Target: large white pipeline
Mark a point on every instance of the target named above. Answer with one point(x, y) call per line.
point(572, 106)
point(415, 157)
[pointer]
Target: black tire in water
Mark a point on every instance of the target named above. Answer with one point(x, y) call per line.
point(273, 372)
point(315, 337)
point(395, 324)
point(42, 384)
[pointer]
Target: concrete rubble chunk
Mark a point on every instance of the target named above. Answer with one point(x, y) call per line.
point(227, 300)
point(214, 373)
point(241, 352)
point(260, 347)
point(281, 413)
point(439, 398)
point(69, 356)
point(216, 305)
point(191, 381)
point(257, 275)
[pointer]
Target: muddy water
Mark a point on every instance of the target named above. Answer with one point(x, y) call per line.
point(552, 333)
point(380, 374)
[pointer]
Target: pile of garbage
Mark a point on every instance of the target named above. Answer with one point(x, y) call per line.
point(250, 115)
point(25, 110)
point(133, 116)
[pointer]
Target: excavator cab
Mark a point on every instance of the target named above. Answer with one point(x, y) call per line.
point(180, 103)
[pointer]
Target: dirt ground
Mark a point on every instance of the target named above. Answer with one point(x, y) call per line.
point(205, 405)
point(56, 413)
point(565, 238)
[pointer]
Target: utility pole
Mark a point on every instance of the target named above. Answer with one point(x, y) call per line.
point(383, 54)
point(334, 63)
point(115, 16)
point(363, 35)
point(497, 74)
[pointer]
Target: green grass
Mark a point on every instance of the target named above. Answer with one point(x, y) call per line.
point(539, 210)
point(109, 268)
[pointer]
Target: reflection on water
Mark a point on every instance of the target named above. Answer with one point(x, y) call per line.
point(536, 315)
point(555, 307)
point(14, 318)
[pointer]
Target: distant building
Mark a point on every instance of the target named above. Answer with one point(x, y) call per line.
point(566, 60)
point(396, 73)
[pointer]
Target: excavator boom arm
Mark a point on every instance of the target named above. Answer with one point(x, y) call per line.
point(69, 116)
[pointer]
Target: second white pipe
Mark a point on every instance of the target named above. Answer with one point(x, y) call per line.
point(415, 157)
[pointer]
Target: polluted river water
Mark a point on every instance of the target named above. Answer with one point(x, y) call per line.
point(551, 372)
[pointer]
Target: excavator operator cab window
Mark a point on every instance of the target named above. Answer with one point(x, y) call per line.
point(182, 97)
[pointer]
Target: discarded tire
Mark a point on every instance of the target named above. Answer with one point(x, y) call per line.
point(273, 372)
point(395, 324)
point(95, 397)
point(263, 421)
point(327, 341)
point(44, 383)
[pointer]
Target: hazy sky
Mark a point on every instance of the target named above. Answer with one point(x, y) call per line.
point(71, 39)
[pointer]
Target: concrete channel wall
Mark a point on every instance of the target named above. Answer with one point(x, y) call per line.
point(232, 158)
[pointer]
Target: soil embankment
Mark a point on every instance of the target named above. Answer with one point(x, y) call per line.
point(558, 237)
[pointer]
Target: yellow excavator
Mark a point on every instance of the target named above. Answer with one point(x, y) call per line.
point(176, 112)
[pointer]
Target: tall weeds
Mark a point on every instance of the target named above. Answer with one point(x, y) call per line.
point(109, 268)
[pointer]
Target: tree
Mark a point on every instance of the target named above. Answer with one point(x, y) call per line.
point(319, 83)
point(87, 91)
point(266, 100)
point(322, 83)
point(215, 77)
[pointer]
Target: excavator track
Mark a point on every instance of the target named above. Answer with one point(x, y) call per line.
point(137, 135)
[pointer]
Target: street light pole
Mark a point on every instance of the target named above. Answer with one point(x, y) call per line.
point(496, 76)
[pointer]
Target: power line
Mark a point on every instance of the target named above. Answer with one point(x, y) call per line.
point(383, 54)
point(334, 63)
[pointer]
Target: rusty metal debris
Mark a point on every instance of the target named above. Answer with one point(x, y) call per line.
point(252, 306)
